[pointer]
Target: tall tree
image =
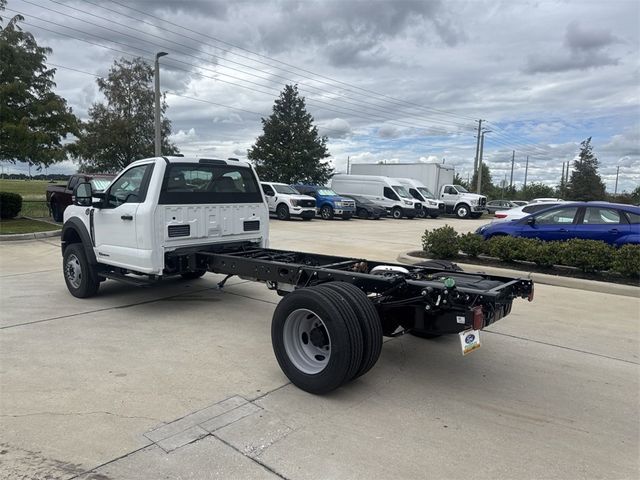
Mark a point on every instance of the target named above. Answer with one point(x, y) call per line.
point(487, 187)
point(585, 183)
point(122, 130)
point(458, 180)
point(290, 149)
point(33, 120)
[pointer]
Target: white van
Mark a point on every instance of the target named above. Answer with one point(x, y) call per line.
point(431, 206)
point(397, 199)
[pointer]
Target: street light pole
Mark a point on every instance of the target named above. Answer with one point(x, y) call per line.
point(158, 121)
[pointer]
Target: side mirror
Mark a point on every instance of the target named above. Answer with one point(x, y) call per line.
point(83, 194)
point(531, 221)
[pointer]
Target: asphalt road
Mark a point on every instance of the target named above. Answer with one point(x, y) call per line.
point(179, 381)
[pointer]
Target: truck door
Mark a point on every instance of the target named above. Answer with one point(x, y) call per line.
point(115, 223)
point(449, 196)
point(270, 195)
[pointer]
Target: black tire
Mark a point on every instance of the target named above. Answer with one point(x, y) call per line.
point(193, 275)
point(362, 213)
point(463, 210)
point(347, 216)
point(396, 212)
point(326, 212)
point(423, 213)
point(476, 215)
point(339, 323)
point(434, 215)
point(56, 212)
point(369, 320)
point(79, 275)
point(283, 212)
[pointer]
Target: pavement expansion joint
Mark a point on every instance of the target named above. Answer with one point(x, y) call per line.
point(201, 423)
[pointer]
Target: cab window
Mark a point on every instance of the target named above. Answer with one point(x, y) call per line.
point(267, 189)
point(129, 187)
point(450, 190)
point(388, 193)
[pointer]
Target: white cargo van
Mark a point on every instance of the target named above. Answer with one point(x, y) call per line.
point(430, 205)
point(398, 201)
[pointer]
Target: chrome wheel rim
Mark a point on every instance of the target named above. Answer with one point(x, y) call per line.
point(462, 212)
point(73, 271)
point(307, 341)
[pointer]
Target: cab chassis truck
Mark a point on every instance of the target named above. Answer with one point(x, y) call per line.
point(173, 216)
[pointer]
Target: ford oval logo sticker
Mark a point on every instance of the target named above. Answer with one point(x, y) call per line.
point(469, 339)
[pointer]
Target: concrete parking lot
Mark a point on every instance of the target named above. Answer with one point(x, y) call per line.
point(179, 381)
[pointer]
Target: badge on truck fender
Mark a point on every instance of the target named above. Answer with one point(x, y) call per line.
point(469, 341)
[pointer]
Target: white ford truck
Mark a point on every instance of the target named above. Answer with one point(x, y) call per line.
point(175, 216)
point(286, 202)
point(464, 204)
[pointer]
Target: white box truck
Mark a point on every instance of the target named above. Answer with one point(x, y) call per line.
point(432, 175)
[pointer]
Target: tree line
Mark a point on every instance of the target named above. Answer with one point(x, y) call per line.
point(39, 128)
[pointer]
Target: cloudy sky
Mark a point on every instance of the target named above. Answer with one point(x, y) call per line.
point(385, 80)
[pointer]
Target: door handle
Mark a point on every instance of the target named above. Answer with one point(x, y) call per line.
point(126, 217)
point(614, 230)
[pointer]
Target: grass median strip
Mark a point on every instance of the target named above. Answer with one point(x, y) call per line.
point(25, 225)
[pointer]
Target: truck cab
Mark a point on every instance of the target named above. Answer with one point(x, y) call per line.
point(328, 203)
point(431, 206)
point(286, 202)
point(464, 204)
point(158, 205)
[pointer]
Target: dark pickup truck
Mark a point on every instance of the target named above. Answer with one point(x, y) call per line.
point(59, 197)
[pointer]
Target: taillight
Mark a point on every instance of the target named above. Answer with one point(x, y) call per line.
point(478, 318)
point(501, 215)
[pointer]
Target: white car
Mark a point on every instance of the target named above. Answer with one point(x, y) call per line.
point(286, 202)
point(520, 212)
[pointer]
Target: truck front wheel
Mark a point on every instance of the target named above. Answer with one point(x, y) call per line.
point(463, 210)
point(79, 275)
point(326, 212)
point(283, 212)
point(396, 213)
point(316, 339)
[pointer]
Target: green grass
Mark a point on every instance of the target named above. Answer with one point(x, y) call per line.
point(29, 189)
point(24, 225)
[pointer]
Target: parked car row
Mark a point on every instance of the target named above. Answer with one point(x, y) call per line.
point(615, 224)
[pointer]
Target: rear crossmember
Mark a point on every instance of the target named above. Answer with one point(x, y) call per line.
point(422, 298)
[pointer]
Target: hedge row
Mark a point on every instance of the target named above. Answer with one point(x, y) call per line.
point(587, 255)
point(10, 204)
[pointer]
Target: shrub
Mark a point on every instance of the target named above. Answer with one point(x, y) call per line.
point(547, 254)
point(626, 260)
point(472, 244)
point(587, 255)
point(441, 242)
point(10, 204)
point(525, 248)
point(503, 247)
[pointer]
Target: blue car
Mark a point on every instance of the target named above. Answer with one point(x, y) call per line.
point(613, 223)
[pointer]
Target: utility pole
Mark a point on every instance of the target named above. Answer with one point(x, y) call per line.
point(526, 171)
point(475, 162)
point(562, 184)
point(615, 192)
point(479, 171)
point(513, 159)
point(158, 121)
point(348, 163)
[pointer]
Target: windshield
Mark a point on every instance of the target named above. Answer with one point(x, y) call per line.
point(461, 189)
point(327, 192)
point(286, 189)
point(99, 184)
point(402, 191)
point(426, 193)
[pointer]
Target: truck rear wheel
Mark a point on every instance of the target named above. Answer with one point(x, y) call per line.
point(463, 211)
point(316, 339)
point(369, 320)
point(283, 212)
point(79, 275)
